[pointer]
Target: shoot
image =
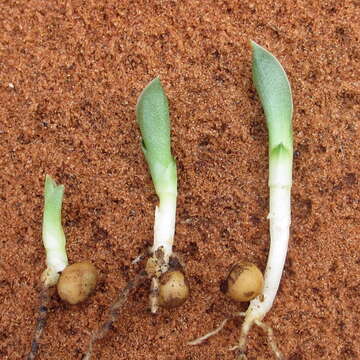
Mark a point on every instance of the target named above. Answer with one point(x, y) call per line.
point(168, 284)
point(152, 115)
point(53, 233)
point(56, 261)
point(274, 92)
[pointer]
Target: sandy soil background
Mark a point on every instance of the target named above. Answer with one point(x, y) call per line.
point(70, 74)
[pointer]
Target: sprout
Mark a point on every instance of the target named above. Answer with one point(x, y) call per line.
point(56, 260)
point(168, 284)
point(274, 91)
point(153, 118)
point(244, 283)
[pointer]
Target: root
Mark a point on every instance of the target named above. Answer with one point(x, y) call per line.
point(114, 311)
point(44, 299)
point(154, 295)
point(241, 347)
point(209, 334)
point(155, 267)
point(143, 254)
point(213, 332)
point(271, 339)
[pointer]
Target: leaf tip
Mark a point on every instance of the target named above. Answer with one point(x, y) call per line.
point(153, 86)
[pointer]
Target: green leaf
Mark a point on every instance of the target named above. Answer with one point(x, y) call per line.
point(274, 90)
point(53, 201)
point(53, 234)
point(152, 114)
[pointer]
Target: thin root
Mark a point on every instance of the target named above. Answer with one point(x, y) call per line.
point(154, 295)
point(209, 334)
point(213, 332)
point(241, 356)
point(114, 311)
point(271, 339)
point(241, 347)
point(155, 267)
point(141, 257)
point(44, 299)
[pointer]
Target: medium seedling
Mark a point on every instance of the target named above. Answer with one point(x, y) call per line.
point(168, 283)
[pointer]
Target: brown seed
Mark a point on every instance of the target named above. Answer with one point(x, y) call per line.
point(244, 282)
point(173, 289)
point(77, 281)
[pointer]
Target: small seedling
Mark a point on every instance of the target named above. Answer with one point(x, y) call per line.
point(79, 286)
point(274, 92)
point(163, 266)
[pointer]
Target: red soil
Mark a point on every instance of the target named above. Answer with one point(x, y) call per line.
point(70, 74)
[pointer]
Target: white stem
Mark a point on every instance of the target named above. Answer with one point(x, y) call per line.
point(56, 257)
point(164, 227)
point(53, 236)
point(280, 218)
point(279, 232)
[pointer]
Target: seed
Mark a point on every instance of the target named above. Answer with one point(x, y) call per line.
point(244, 283)
point(173, 289)
point(77, 281)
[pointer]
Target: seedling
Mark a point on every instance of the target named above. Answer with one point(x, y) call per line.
point(152, 115)
point(274, 92)
point(168, 284)
point(76, 281)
